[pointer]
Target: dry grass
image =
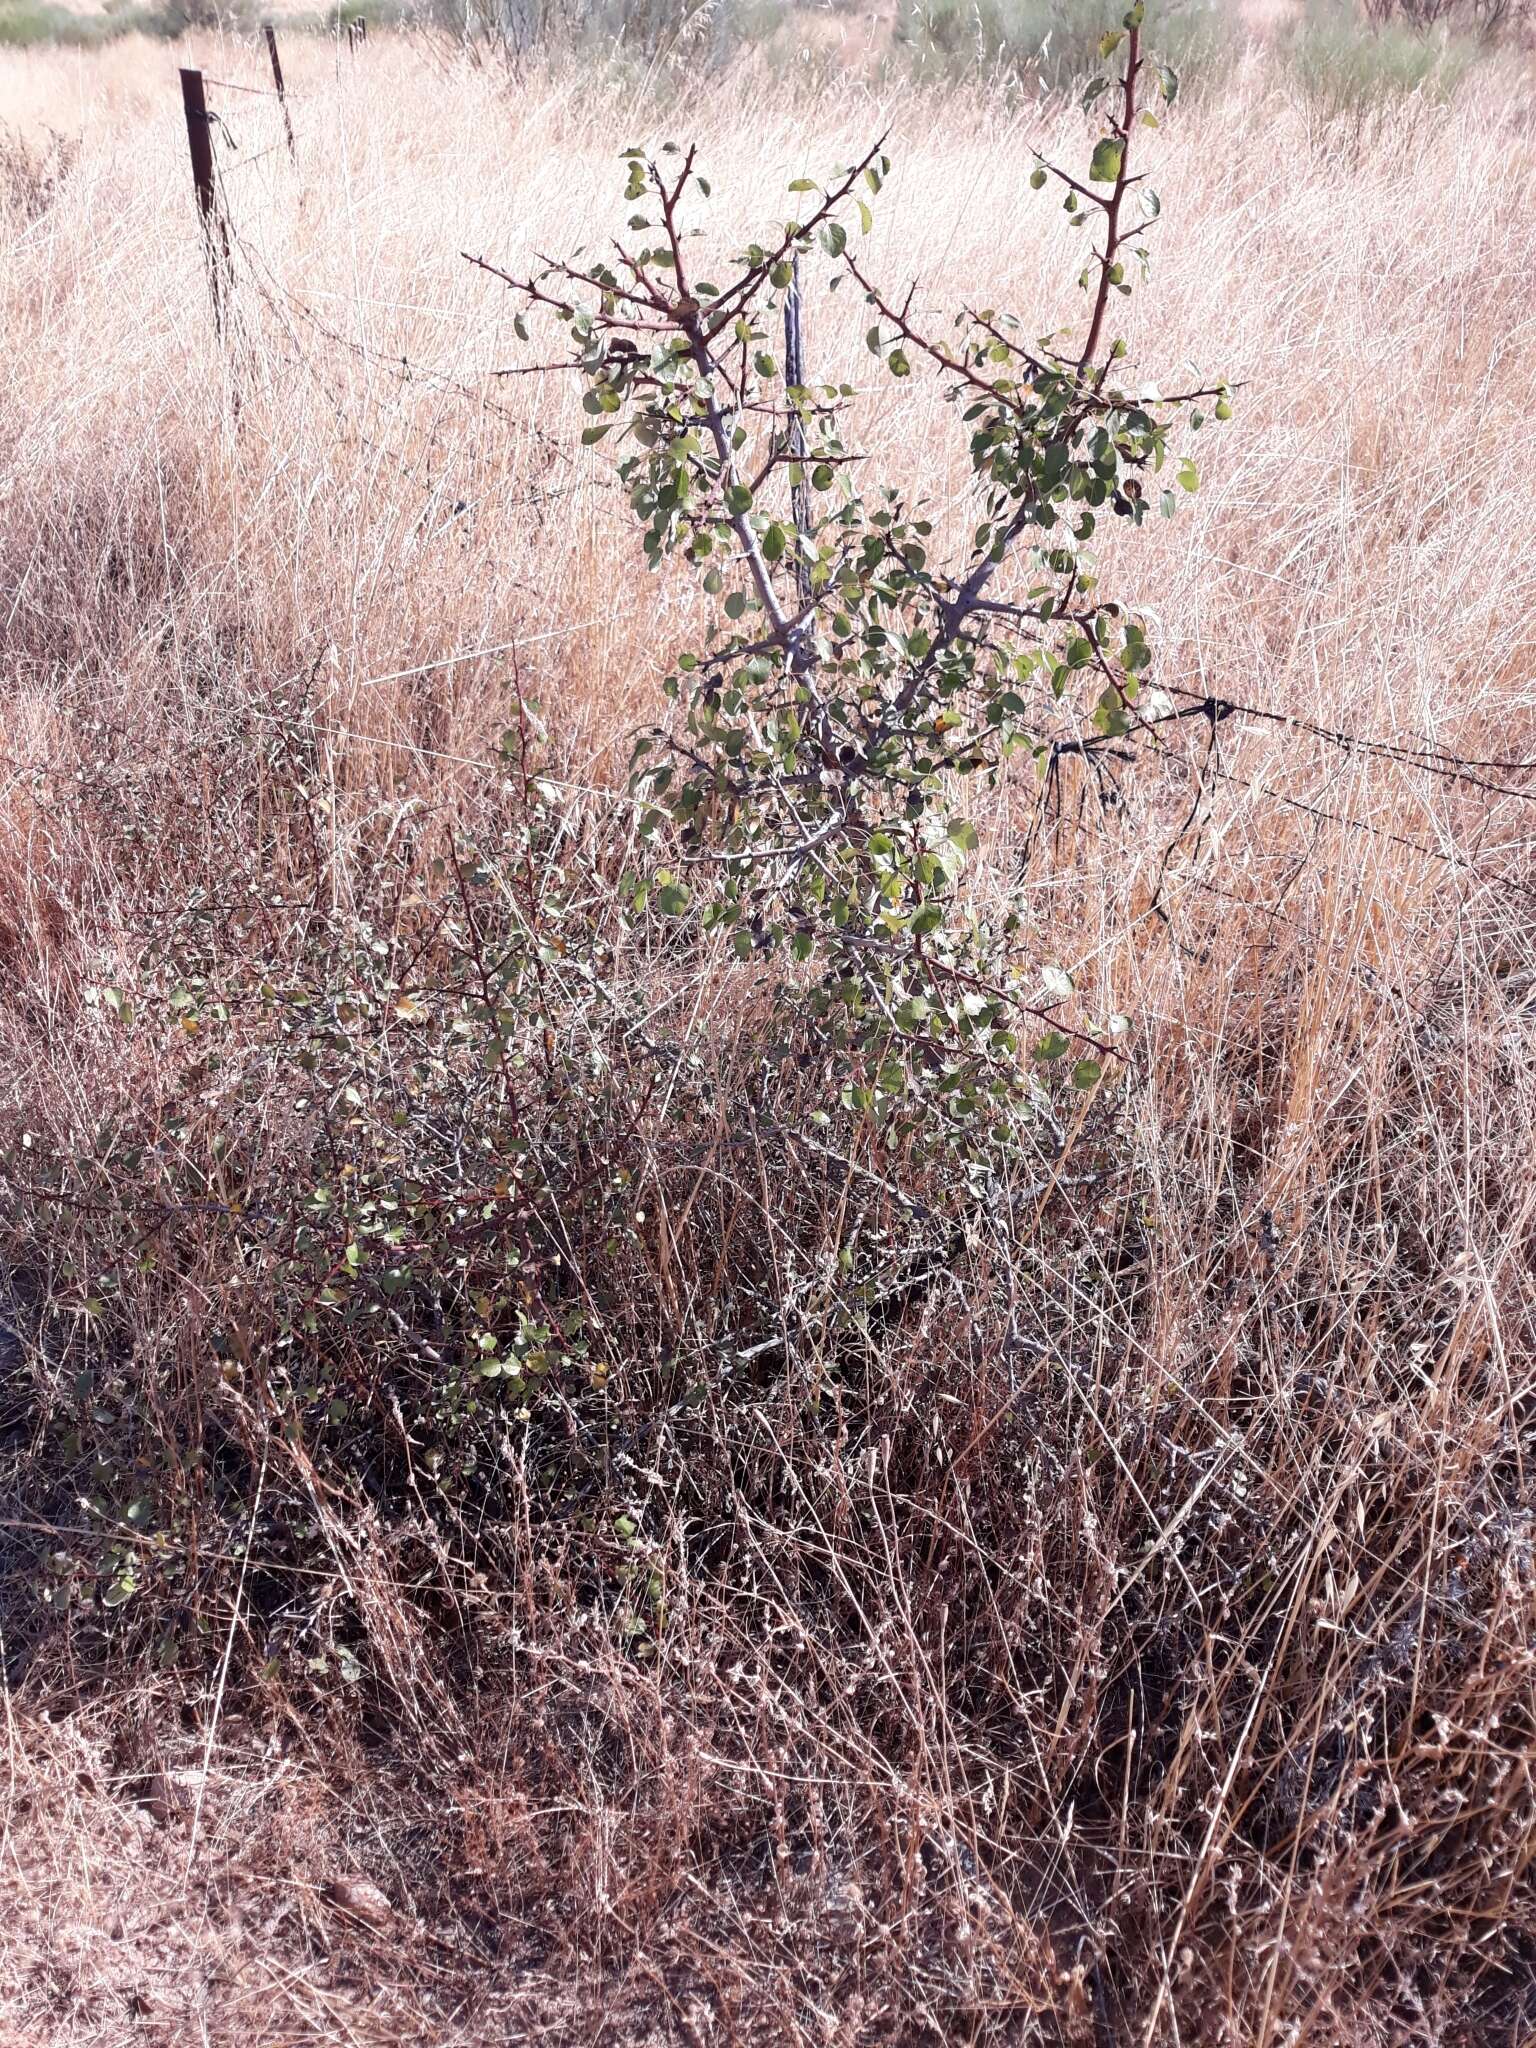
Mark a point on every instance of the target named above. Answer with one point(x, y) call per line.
point(1132, 1638)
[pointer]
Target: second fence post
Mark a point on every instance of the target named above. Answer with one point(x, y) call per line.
point(794, 380)
point(277, 79)
point(200, 146)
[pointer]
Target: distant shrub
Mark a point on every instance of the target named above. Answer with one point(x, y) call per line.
point(1487, 19)
point(24, 24)
point(1351, 77)
point(1052, 43)
point(32, 174)
point(698, 32)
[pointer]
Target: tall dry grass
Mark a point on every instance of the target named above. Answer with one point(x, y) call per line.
point(1132, 1640)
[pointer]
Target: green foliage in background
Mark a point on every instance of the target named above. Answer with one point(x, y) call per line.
point(1350, 76)
point(1054, 44)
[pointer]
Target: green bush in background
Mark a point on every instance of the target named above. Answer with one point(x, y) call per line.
point(1351, 75)
point(1052, 42)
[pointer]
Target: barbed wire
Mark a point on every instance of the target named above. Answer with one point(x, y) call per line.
point(266, 92)
point(398, 366)
point(1485, 774)
point(1438, 762)
point(245, 162)
point(1431, 760)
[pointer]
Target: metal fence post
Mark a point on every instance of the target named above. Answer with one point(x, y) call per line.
point(277, 79)
point(794, 379)
point(200, 147)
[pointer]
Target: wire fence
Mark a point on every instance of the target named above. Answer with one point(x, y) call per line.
point(1504, 777)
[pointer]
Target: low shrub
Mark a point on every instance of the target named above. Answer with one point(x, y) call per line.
point(32, 174)
point(1352, 79)
point(1053, 45)
point(397, 1163)
point(691, 34)
point(24, 23)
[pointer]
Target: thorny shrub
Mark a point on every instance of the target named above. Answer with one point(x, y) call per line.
point(856, 685)
point(32, 174)
point(402, 1148)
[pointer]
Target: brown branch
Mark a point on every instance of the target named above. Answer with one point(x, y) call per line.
point(721, 309)
point(1123, 181)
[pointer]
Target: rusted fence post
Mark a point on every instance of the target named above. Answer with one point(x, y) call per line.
point(357, 32)
point(277, 79)
point(200, 147)
point(794, 380)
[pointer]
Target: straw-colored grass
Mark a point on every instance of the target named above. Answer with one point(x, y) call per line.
point(1144, 1651)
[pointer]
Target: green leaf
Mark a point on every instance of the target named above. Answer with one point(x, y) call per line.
point(1052, 1046)
point(896, 362)
point(1108, 156)
point(1087, 1074)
